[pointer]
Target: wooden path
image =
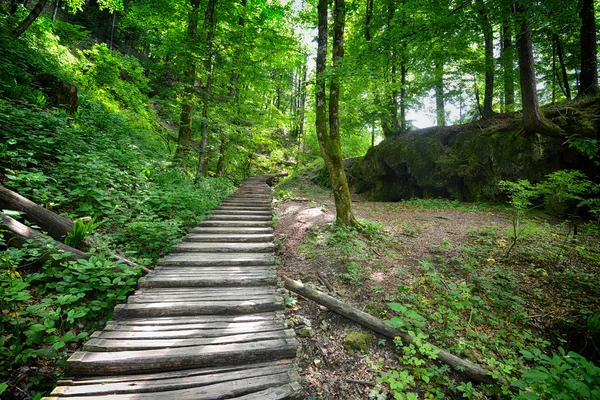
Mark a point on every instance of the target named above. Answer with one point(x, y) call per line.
point(207, 323)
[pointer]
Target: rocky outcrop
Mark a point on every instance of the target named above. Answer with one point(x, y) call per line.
point(466, 162)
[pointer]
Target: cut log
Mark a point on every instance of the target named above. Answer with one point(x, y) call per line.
point(19, 234)
point(467, 368)
point(55, 225)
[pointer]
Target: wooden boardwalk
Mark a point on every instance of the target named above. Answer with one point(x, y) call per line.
point(207, 323)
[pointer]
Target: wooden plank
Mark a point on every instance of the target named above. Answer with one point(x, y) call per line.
point(109, 344)
point(239, 230)
point(228, 238)
point(220, 390)
point(241, 224)
point(269, 290)
point(104, 363)
point(248, 212)
point(208, 282)
point(291, 391)
point(153, 310)
point(225, 216)
point(201, 319)
point(186, 331)
point(168, 381)
point(154, 298)
point(221, 247)
point(214, 259)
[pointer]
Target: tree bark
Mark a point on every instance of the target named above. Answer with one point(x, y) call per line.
point(55, 225)
point(467, 368)
point(588, 81)
point(55, 11)
point(187, 109)
point(209, 29)
point(439, 94)
point(368, 16)
point(533, 120)
point(26, 23)
point(563, 68)
point(488, 93)
point(329, 142)
point(19, 234)
point(508, 66)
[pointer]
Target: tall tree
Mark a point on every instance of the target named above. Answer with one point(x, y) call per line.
point(507, 57)
point(208, 28)
point(488, 39)
point(566, 88)
point(533, 120)
point(588, 81)
point(440, 111)
point(32, 16)
point(329, 139)
point(187, 108)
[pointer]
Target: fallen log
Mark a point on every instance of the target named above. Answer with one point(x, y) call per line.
point(55, 225)
point(465, 367)
point(19, 234)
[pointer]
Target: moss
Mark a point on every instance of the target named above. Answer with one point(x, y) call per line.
point(357, 341)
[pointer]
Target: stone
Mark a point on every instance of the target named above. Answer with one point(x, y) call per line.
point(357, 341)
point(59, 92)
point(306, 332)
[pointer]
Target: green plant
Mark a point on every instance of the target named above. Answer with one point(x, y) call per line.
point(81, 230)
point(562, 376)
point(587, 146)
point(521, 194)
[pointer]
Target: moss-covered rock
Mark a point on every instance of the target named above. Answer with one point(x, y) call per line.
point(466, 162)
point(357, 341)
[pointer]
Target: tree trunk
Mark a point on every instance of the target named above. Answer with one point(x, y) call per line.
point(563, 68)
point(488, 93)
point(439, 94)
point(26, 23)
point(329, 143)
point(19, 234)
point(368, 16)
point(221, 164)
point(588, 84)
point(187, 110)
point(465, 367)
point(208, 28)
point(394, 129)
point(533, 120)
point(508, 66)
point(55, 11)
point(403, 98)
point(55, 225)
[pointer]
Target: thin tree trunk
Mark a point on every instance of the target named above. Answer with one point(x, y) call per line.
point(58, 227)
point(403, 98)
point(55, 11)
point(533, 120)
point(589, 57)
point(465, 367)
point(393, 101)
point(112, 29)
point(26, 23)
point(208, 28)
point(488, 93)
point(553, 75)
point(439, 94)
point(508, 66)
point(563, 68)
point(221, 164)
point(187, 110)
point(368, 16)
point(330, 143)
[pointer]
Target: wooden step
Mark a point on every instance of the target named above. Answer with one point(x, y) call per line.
point(225, 216)
point(215, 259)
point(201, 383)
point(244, 212)
point(221, 247)
point(207, 281)
point(238, 230)
point(139, 361)
point(228, 238)
point(241, 224)
point(177, 309)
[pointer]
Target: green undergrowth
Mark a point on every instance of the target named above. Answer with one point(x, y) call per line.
point(110, 161)
point(530, 319)
point(303, 183)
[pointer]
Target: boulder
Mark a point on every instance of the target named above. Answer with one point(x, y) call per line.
point(59, 92)
point(466, 162)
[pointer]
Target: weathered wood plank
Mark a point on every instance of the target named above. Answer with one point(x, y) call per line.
point(239, 230)
point(155, 298)
point(147, 310)
point(228, 238)
point(221, 247)
point(225, 216)
point(201, 319)
point(167, 381)
point(292, 390)
point(109, 344)
point(186, 331)
point(241, 224)
point(214, 259)
point(104, 363)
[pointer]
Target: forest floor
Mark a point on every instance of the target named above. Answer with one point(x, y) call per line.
point(445, 262)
